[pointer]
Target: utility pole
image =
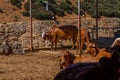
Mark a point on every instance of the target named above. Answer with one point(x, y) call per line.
point(96, 19)
point(46, 2)
point(31, 36)
point(79, 27)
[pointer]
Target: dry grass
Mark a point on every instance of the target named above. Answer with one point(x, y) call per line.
point(33, 66)
point(41, 65)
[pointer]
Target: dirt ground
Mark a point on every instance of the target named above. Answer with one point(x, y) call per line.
point(39, 65)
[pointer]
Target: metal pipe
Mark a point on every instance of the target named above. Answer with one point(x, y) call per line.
point(96, 19)
point(31, 41)
point(46, 2)
point(79, 28)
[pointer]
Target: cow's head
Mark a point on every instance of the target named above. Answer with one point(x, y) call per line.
point(45, 36)
point(66, 58)
point(116, 42)
point(92, 49)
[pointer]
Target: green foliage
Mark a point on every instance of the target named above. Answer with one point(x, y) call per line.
point(89, 8)
point(26, 6)
point(108, 8)
point(75, 10)
point(68, 1)
point(26, 13)
point(65, 6)
point(60, 12)
point(42, 15)
point(56, 9)
point(15, 17)
point(16, 3)
point(40, 1)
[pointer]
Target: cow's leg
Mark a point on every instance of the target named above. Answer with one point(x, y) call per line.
point(82, 44)
point(55, 41)
point(51, 45)
point(55, 45)
point(73, 45)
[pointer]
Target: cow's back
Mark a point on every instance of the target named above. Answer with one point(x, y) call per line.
point(64, 32)
point(68, 31)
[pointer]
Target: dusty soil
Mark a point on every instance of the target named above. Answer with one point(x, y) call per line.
point(39, 65)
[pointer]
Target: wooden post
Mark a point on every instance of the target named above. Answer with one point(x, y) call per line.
point(96, 19)
point(31, 41)
point(79, 27)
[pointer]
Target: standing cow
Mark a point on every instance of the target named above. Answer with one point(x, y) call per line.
point(63, 32)
point(66, 32)
point(84, 37)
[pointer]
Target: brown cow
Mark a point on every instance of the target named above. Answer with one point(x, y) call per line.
point(66, 32)
point(84, 37)
point(94, 50)
point(62, 32)
point(67, 58)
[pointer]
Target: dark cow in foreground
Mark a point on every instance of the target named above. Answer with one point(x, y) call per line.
point(105, 69)
point(66, 32)
point(67, 58)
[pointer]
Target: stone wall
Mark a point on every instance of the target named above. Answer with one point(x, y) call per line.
point(19, 32)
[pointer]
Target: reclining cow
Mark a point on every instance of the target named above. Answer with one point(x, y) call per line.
point(94, 50)
point(67, 58)
point(66, 32)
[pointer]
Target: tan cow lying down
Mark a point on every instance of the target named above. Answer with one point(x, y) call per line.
point(94, 50)
point(65, 32)
point(67, 58)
